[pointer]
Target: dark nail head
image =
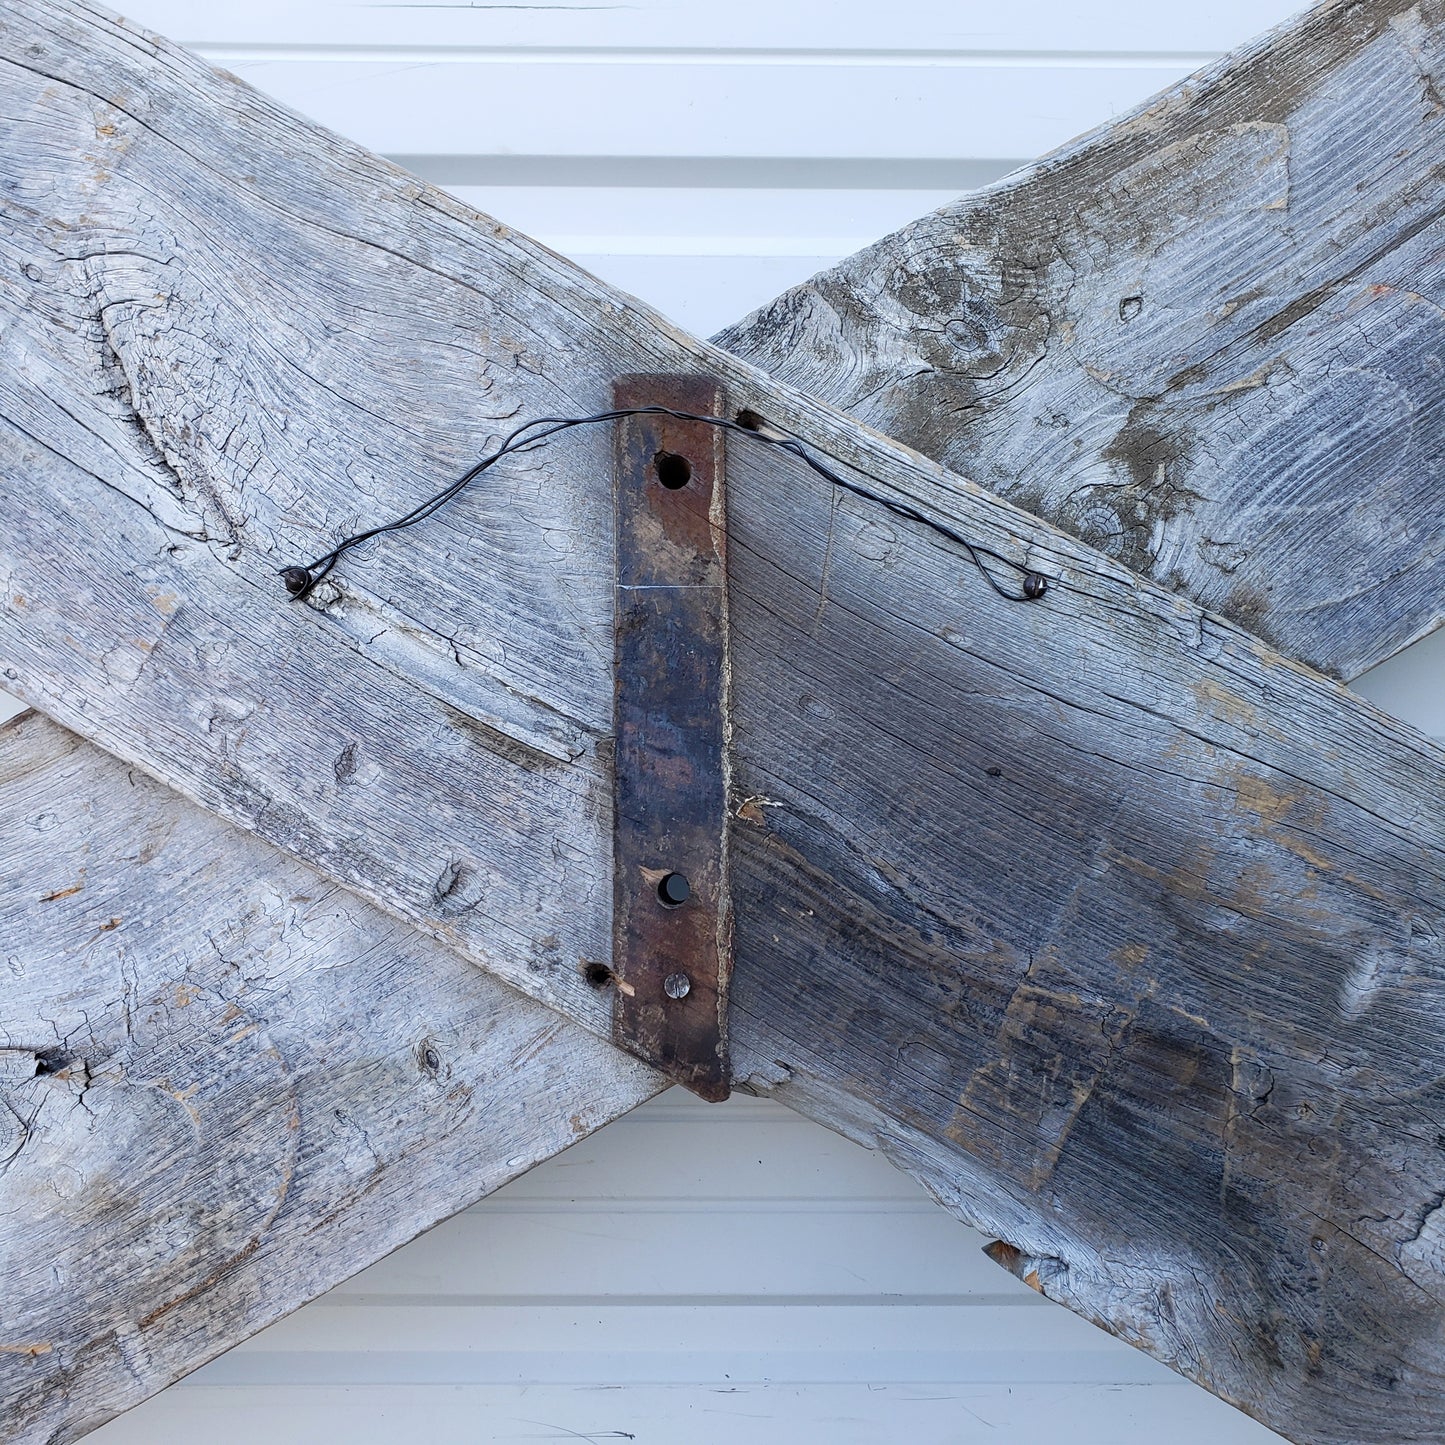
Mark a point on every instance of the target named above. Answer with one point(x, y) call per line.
point(297, 580)
point(1035, 585)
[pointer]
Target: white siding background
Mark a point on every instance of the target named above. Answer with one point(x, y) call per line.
point(715, 1275)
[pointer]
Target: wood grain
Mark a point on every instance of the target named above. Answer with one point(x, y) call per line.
point(1110, 923)
point(226, 1084)
point(1127, 944)
point(1205, 339)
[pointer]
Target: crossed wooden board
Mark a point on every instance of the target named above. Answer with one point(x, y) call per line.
point(1112, 918)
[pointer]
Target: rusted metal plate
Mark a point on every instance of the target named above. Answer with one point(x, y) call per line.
point(671, 932)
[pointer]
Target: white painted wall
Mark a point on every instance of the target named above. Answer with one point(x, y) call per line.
point(727, 1275)
point(693, 1275)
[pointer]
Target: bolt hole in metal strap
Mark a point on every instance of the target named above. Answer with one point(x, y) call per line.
point(671, 935)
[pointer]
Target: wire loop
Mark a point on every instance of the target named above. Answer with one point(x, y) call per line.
point(301, 579)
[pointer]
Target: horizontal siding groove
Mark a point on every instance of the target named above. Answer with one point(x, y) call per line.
point(707, 1203)
point(905, 1365)
point(761, 1204)
point(779, 173)
point(663, 245)
point(783, 107)
point(1022, 1299)
point(232, 55)
point(747, 1330)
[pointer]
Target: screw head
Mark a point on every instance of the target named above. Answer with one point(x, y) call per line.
point(1035, 585)
point(673, 890)
point(677, 985)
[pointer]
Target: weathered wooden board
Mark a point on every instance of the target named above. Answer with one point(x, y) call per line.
point(1127, 941)
point(1110, 923)
point(1207, 339)
point(225, 1084)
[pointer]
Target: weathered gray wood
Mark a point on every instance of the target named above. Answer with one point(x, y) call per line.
point(1117, 932)
point(1206, 339)
point(225, 1084)
point(1096, 913)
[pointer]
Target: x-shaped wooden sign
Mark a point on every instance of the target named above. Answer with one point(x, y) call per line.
point(1110, 916)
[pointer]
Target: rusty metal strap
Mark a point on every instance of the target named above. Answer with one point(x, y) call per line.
point(671, 926)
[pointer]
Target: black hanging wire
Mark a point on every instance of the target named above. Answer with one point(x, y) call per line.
point(300, 579)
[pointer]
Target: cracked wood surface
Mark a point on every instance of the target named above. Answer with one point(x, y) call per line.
point(1112, 925)
point(1206, 339)
point(226, 1084)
